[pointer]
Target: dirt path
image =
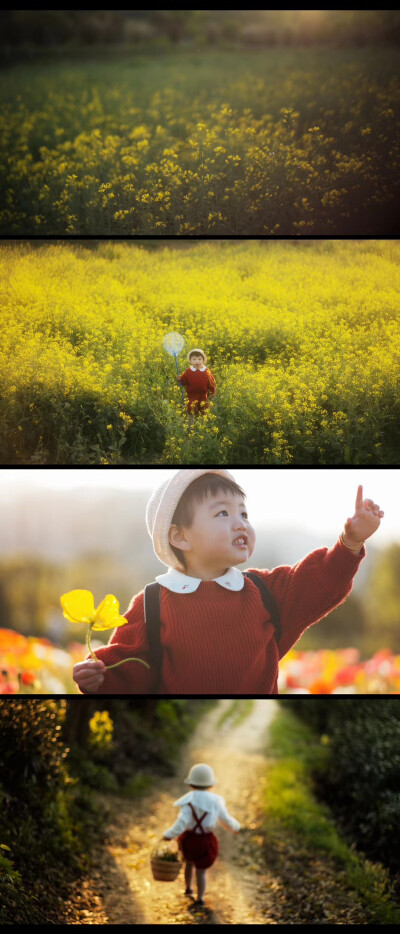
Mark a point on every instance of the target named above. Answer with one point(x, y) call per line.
point(244, 886)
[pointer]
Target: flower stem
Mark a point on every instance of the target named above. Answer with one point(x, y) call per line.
point(123, 660)
point(115, 665)
point(88, 635)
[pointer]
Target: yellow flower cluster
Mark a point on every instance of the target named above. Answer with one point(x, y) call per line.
point(289, 143)
point(303, 340)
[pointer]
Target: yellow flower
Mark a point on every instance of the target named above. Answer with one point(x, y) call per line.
point(78, 607)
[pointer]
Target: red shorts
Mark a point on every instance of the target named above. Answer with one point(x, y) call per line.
point(199, 848)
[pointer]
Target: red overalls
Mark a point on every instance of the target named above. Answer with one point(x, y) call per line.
point(199, 848)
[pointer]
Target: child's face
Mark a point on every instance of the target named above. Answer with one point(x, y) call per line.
point(196, 360)
point(219, 537)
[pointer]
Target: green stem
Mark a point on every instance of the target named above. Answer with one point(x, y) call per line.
point(123, 660)
point(88, 636)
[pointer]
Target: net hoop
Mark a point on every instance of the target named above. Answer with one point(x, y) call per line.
point(173, 343)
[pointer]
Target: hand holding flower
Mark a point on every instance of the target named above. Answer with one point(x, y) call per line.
point(78, 607)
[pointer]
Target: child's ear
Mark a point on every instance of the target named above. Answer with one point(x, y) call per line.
point(177, 538)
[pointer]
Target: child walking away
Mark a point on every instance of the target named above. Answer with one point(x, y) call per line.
point(198, 381)
point(204, 627)
point(201, 810)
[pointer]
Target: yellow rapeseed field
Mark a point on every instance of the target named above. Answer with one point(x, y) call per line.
point(303, 338)
point(276, 142)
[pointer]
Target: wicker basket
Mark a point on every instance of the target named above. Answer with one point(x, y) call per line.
point(164, 870)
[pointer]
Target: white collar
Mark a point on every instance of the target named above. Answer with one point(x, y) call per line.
point(201, 368)
point(181, 583)
point(199, 796)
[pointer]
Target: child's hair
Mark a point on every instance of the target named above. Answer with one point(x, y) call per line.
point(207, 485)
point(201, 787)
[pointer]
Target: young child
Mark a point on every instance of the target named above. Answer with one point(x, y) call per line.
point(217, 637)
point(199, 381)
point(200, 811)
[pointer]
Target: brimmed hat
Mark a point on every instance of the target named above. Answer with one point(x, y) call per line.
point(197, 350)
point(161, 508)
point(202, 775)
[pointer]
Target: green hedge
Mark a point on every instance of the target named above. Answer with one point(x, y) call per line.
point(39, 820)
point(361, 781)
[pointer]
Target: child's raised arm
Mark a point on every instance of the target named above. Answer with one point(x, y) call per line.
point(366, 520)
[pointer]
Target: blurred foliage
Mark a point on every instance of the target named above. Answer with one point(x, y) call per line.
point(101, 731)
point(263, 28)
point(28, 588)
point(299, 824)
point(361, 779)
point(49, 816)
point(382, 600)
point(39, 820)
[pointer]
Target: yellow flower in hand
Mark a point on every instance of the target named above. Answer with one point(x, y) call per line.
point(78, 607)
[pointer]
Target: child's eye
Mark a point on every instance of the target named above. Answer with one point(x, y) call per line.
point(222, 512)
point(245, 515)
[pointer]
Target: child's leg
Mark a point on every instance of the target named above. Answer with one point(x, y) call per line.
point(201, 879)
point(188, 875)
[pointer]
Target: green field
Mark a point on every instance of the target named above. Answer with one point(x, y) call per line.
point(274, 141)
point(303, 339)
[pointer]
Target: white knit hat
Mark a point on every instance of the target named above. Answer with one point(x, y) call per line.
point(161, 508)
point(197, 350)
point(202, 775)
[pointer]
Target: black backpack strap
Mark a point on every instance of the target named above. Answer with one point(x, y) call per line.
point(152, 618)
point(268, 601)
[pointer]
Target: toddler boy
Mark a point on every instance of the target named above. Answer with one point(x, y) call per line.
point(217, 636)
point(198, 381)
point(200, 811)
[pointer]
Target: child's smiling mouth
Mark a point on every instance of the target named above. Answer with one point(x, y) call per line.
point(240, 541)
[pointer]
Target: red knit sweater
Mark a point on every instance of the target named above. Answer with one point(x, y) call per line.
point(198, 384)
point(220, 642)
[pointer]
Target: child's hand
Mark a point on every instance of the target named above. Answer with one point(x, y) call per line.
point(366, 520)
point(89, 675)
point(178, 379)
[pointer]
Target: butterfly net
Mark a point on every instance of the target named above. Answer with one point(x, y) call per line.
point(173, 343)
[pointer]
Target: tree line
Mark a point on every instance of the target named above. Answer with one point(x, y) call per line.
point(263, 28)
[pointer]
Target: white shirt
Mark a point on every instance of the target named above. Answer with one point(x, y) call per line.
point(201, 368)
point(181, 583)
point(201, 801)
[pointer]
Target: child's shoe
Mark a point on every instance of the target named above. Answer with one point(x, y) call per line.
point(188, 892)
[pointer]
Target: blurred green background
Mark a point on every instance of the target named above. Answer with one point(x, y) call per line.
point(61, 30)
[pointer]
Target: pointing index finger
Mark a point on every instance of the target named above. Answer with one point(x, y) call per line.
point(359, 498)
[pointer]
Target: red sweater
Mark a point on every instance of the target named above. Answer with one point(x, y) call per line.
point(198, 384)
point(220, 642)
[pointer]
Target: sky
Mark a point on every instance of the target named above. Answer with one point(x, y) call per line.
point(313, 500)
